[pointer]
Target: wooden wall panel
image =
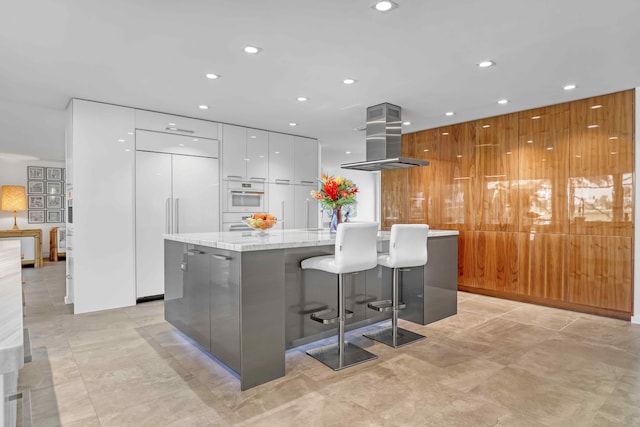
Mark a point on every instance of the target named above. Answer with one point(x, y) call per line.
point(394, 199)
point(418, 146)
point(496, 183)
point(600, 273)
point(496, 260)
point(601, 170)
point(544, 265)
point(543, 152)
point(466, 261)
point(452, 205)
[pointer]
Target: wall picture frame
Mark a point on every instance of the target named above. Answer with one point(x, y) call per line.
point(54, 187)
point(54, 202)
point(54, 174)
point(35, 172)
point(36, 216)
point(54, 216)
point(36, 201)
point(35, 187)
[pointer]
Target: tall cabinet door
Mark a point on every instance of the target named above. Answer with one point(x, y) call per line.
point(257, 155)
point(306, 207)
point(281, 200)
point(196, 190)
point(153, 218)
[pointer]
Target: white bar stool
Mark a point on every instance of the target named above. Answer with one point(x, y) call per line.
point(407, 248)
point(356, 250)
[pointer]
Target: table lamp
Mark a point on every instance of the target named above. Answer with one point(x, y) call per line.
point(14, 198)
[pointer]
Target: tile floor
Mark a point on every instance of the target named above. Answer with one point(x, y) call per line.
point(496, 363)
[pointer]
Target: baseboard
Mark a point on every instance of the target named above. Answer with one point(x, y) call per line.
point(635, 319)
point(67, 300)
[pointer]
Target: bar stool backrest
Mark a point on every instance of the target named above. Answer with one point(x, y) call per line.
point(408, 245)
point(356, 246)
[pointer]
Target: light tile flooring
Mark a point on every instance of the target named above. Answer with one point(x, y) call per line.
point(496, 363)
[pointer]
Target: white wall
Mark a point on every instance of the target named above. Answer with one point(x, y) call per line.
point(14, 172)
point(368, 183)
point(636, 246)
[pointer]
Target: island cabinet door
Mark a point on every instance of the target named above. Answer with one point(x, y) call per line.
point(225, 307)
point(175, 265)
point(196, 294)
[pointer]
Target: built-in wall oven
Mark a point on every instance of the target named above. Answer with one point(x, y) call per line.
point(243, 196)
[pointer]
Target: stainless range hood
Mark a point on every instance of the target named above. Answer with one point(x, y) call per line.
point(384, 141)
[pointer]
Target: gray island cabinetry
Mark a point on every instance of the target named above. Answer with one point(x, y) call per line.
point(244, 298)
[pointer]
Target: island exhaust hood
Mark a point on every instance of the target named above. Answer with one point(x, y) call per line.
point(384, 123)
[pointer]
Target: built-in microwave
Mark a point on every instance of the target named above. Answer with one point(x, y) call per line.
point(242, 196)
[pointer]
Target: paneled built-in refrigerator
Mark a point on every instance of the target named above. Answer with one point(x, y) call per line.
point(177, 191)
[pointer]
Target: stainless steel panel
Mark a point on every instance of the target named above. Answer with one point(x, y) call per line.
point(225, 307)
point(175, 308)
point(441, 279)
point(196, 295)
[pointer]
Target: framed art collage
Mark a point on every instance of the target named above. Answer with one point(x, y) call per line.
point(45, 194)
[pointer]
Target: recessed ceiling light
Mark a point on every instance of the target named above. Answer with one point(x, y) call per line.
point(384, 6)
point(349, 81)
point(203, 107)
point(535, 117)
point(486, 64)
point(449, 113)
point(406, 123)
point(503, 101)
point(570, 87)
point(293, 124)
point(595, 107)
point(252, 49)
point(347, 152)
point(303, 99)
point(213, 76)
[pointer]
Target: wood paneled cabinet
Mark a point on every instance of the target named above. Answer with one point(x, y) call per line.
point(543, 200)
point(30, 245)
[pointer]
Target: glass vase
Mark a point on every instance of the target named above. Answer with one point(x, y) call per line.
point(336, 218)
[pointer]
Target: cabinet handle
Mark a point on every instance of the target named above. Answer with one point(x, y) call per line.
point(167, 215)
point(183, 266)
point(307, 182)
point(234, 176)
point(25, 395)
point(257, 178)
point(196, 251)
point(282, 181)
point(222, 257)
point(174, 129)
point(176, 215)
point(306, 213)
point(404, 269)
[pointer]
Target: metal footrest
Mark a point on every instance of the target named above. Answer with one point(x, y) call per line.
point(329, 355)
point(330, 316)
point(385, 305)
point(403, 337)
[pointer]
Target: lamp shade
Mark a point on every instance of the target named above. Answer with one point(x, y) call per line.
point(14, 198)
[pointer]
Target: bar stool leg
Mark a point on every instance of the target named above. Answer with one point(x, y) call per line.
point(394, 336)
point(342, 354)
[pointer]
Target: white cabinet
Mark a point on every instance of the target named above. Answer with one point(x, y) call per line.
point(281, 204)
point(175, 193)
point(167, 123)
point(101, 146)
point(305, 161)
point(244, 153)
point(281, 158)
point(306, 207)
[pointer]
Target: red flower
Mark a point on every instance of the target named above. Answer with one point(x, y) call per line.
point(331, 189)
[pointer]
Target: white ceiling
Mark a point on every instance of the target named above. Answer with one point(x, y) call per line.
point(153, 54)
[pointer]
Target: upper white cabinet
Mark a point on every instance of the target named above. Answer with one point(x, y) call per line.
point(281, 158)
point(306, 161)
point(244, 153)
point(102, 150)
point(168, 123)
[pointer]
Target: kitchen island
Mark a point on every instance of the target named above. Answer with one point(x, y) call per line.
point(243, 297)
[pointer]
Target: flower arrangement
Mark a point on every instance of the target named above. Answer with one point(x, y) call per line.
point(335, 192)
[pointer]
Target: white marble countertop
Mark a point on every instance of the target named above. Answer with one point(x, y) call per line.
point(244, 241)
point(11, 335)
